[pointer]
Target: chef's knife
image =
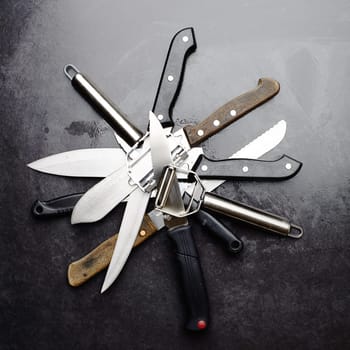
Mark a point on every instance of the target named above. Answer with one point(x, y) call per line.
point(95, 163)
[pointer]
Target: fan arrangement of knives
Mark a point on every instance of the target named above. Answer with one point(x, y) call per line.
point(169, 167)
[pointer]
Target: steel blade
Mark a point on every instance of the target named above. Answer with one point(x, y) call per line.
point(93, 162)
point(100, 199)
point(160, 150)
point(129, 229)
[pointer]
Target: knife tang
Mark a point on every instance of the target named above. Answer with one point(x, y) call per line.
point(231, 111)
point(191, 273)
point(105, 107)
point(252, 216)
point(181, 46)
point(247, 169)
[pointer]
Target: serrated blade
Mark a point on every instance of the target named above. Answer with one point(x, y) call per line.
point(255, 149)
point(91, 162)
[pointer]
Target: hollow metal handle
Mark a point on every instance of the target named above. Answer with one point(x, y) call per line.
point(251, 215)
point(109, 111)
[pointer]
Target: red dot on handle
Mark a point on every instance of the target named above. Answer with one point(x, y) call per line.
point(201, 324)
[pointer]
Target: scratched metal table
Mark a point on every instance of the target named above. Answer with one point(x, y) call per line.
point(279, 293)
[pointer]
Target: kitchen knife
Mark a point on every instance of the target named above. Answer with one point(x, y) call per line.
point(228, 169)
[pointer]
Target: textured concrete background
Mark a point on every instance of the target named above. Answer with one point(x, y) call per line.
point(279, 293)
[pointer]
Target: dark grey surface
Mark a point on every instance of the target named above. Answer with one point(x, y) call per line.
point(279, 293)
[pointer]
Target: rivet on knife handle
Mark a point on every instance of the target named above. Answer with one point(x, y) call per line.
point(231, 111)
point(181, 46)
point(251, 215)
point(247, 169)
point(82, 270)
point(110, 112)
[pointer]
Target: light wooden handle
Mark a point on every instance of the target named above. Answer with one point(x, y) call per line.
point(82, 270)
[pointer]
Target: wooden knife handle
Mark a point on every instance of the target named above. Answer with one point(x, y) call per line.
point(232, 110)
point(98, 259)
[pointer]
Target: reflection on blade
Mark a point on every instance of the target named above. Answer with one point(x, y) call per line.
point(132, 219)
point(103, 197)
point(91, 162)
point(255, 149)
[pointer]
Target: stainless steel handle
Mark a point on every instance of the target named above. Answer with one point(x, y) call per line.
point(109, 111)
point(253, 216)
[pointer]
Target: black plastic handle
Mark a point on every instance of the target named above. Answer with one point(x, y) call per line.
point(247, 169)
point(57, 206)
point(232, 243)
point(192, 278)
point(181, 46)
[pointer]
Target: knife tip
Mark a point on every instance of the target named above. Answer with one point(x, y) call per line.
point(104, 287)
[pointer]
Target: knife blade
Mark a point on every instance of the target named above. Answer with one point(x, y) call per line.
point(179, 230)
point(130, 226)
point(90, 162)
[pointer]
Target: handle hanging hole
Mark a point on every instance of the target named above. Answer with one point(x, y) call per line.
point(236, 246)
point(69, 69)
point(39, 209)
point(295, 231)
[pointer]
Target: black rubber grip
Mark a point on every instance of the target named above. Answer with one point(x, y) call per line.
point(181, 46)
point(247, 169)
point(195, 292)
point(57, 206)
point(232, 243)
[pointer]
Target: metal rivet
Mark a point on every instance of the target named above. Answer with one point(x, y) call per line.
point(185, 39)
point(160, 116)
point(200, 132)
point(204, 167)
point(245, 169)
point(233, 113)
point(216, 122)
point(288, 166)
point(142, 233)
point(170, 78)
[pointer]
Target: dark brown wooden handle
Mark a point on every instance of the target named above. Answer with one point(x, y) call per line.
point(231, 111)
point(98, 259)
